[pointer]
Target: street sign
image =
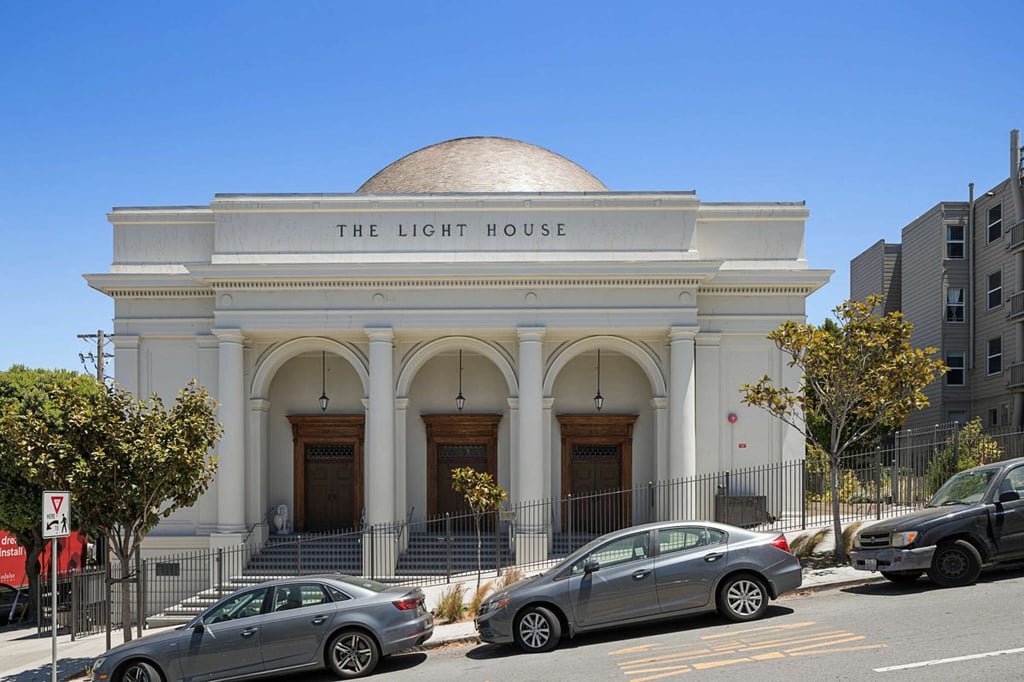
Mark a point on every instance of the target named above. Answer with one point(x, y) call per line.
point(56, 514)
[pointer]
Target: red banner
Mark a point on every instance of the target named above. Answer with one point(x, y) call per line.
point(72, 555)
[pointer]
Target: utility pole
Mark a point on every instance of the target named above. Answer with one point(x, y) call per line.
point(100, 356)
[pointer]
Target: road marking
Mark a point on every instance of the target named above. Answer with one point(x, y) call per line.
point(955, 659)
point(648, 662)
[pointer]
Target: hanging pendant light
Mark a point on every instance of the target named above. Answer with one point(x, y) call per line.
point(323, 381)
point(598, 399)
point(460, 400)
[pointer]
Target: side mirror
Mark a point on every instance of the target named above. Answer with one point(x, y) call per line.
point(199, 626)
point(590, 566)
point(1009, 496)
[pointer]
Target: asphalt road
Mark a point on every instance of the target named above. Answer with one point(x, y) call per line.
point(879, 631)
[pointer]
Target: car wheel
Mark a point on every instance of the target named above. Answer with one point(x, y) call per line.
point(352, 653)
point(743, 597)
point(901, 577)
point(537, 630)
point(139, 671)
point(955, 564)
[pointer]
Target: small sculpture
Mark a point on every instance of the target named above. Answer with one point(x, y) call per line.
point(281, 519)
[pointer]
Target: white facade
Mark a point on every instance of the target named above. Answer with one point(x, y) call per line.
point(257, 296)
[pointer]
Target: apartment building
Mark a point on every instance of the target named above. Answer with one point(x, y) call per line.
point(958, 276)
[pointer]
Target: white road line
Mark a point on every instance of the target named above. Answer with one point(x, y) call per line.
point(940, 661)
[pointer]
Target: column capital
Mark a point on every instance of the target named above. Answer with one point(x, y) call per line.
point(229, 335)
point(513, 403)
point(377, 334)
point(659, 403)
point(259, 404)
point(682, 333)
point(530, 333)
point(206, 340)
point(709, 339)
point(401, 403)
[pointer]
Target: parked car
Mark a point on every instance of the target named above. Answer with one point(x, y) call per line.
point(975, 518)
point(643, 574)
point(13, 603)
point(335, 621)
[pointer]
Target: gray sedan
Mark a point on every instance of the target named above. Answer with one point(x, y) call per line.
point(335, 621)
point(642, 574)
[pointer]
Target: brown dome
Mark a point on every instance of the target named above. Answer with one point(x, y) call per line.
point(481, 164)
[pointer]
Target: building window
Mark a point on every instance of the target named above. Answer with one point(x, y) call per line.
point(954, 305)
point(995, 355)
point(957, 417)
point(995, 223)
point(993, 417)
point(955, 375)
point(994, 283)
point(955, 242)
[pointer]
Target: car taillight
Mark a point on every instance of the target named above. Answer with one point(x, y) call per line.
point(781, 543)
point(408, 603)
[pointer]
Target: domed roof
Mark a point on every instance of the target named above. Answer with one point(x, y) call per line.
point(481, 164)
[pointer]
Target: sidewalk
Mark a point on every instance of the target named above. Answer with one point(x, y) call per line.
point(26, 658)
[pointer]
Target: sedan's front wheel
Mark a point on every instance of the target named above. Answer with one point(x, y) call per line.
point(139, 671)
point(352, 653)
point(537, 630)
point(743, 597)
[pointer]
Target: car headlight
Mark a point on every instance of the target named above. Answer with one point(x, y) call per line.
point(856, 541)
point(904, 539)
point(497, 604)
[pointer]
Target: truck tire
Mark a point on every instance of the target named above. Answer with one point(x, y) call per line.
point(955, 564)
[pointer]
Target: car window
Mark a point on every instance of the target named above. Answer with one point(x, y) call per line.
point(619, 551)
point(287, 597)
point(336, 594)
point(678, 539)
point(242, 605)
point(1014, 481)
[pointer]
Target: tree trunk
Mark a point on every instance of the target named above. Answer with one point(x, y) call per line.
point(837, 526)
point(123, 558)
point(479, 542)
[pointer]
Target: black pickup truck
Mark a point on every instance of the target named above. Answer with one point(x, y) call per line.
point(976, 518)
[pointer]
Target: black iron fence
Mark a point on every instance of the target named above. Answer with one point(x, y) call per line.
point(788, 496)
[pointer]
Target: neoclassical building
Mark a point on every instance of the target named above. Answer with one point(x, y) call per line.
point(337, 331)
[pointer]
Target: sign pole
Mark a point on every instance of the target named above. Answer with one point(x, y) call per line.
point(53, 608)
point(56, 513)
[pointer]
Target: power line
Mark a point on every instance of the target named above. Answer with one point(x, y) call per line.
point(98, 358)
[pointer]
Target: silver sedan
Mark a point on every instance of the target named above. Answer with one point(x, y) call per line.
point(642, 574)
point(335, 621)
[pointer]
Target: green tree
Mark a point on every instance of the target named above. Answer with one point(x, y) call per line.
point(23, 391)
point(128, 463)
point(969, 447)
point(483, 496)
point(857, 378)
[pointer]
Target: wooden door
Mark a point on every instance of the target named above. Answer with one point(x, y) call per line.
point(597, 468)
point(328, 471)
point(453, 441)
point(330, 482)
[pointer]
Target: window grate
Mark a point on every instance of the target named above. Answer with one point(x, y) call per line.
point(608, 451)
point(322, 451)
point(461, 452)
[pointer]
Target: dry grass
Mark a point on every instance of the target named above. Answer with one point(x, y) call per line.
point(511, 575)
point(849, 533)
point(804, 545)
point(478, 599)
point(451, 607)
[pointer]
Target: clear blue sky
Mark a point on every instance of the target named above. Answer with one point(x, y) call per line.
point(871, 112)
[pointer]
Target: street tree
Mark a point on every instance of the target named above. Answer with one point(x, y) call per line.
point(23, 391)
point(857, 377)
point(127, 462)
point(483, 496)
